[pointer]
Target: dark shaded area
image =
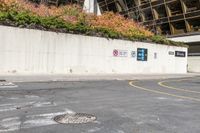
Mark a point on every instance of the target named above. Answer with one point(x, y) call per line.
point(57, 2)
point(166, 17)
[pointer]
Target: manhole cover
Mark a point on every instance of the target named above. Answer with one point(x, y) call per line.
point(77, 118)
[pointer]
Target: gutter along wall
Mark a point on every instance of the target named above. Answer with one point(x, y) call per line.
point(26, 51)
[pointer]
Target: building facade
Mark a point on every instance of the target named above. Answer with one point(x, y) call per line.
point(167, 17)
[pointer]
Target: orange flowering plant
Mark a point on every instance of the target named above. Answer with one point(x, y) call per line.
point(126, 27)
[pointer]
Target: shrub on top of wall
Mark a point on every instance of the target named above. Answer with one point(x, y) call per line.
point(162, 40)
point(71, 19)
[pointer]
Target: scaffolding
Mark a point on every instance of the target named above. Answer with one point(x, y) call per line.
point(168, 17)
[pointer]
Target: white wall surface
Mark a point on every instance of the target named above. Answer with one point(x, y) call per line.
point(26, 51)
point(194, 63)
point(187, 39)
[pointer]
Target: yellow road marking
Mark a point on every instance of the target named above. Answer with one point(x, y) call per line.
point(174, 88)
point(163, 93)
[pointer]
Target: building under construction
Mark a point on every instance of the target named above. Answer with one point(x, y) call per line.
point(168, 17)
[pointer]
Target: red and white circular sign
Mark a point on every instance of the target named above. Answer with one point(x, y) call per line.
point(115, 52)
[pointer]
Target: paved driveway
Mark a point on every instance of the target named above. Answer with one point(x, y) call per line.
point(142, 106)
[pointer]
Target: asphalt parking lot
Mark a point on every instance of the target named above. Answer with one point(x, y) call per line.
point(139, 106)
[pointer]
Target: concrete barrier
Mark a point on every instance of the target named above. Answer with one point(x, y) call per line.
point(194, 64)
point(28, 51)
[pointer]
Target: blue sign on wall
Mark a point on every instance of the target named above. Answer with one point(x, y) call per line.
point(142, 54)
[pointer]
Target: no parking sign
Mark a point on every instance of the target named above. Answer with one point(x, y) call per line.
point(120, 53)
point(115, 52)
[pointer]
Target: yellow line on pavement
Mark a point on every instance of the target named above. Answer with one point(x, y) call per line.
point(163, 93)
point(174, 88)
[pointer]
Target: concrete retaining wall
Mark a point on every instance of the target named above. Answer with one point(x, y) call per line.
point(194, 64)
point(27, 51)
point(187, 39)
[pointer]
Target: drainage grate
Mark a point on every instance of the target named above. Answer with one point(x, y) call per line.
point(76, 118)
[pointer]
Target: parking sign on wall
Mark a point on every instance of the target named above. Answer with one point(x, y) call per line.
point(142, 54)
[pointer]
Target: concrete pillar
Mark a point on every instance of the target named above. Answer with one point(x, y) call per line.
point(91, 6)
